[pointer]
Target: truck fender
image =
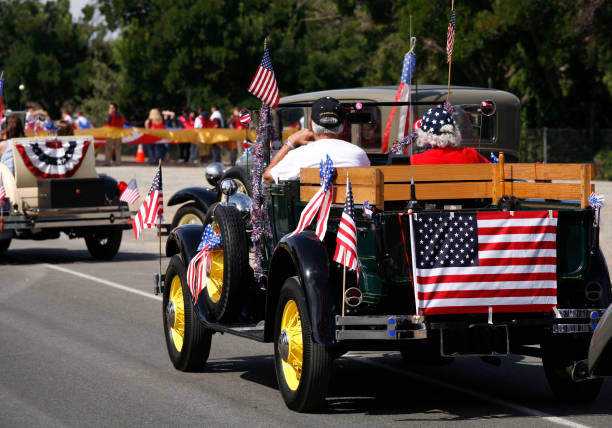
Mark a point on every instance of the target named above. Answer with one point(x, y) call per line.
point(305, 256)
point(111, 189)
point(184, 240)
point(202, 196)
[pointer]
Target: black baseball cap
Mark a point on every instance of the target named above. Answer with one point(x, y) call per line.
point(328, 112)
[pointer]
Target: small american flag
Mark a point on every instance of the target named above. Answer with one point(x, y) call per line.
point(450, 36)
point(1, 95)
point(131, 193)
point(402, 95)
point(2, 191)
point(196, 271)
point(468, 262)
point(320, 202)
point(263, 85)
point(346, 240)
point(151, 211)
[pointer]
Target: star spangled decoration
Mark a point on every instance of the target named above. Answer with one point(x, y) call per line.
point(494, 159)
point(448, 107)
point(368, 210)
point(209, 237)
point(400, 146)
point(325, 172)
point(596, 201)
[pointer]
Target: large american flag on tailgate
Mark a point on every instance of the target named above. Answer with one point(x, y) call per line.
point(152, 209)
point(468, 262)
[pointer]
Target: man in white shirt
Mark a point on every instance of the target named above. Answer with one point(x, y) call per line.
point(307, 147)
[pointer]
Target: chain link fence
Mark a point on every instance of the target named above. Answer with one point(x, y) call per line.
point(567, 145)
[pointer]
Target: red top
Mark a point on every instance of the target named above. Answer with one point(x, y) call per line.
point(448, 155)
point(115, 119)
point(157, 126)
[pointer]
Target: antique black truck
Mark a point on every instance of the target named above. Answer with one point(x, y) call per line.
point(313, 311)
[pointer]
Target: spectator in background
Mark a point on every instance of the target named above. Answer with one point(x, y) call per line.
point(217, 122)
point(234, 123)
point(67, 116)
point(63, 128)
point(14, 129)
point(82, 122)
point(186, 122)
point(156, 152)
point(113, 145)
point(201, 121)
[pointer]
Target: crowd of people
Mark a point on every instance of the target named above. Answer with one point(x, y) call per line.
point(39, 120)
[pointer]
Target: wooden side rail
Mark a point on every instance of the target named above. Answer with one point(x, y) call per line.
point(378, 184)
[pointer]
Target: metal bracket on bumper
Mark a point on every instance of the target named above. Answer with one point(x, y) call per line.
point(583, 320)
point(380, 327)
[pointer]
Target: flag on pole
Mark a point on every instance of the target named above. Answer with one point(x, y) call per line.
point(450, 36)
point(152, 209)
point(346, 240)
point(402, 95)
point(469, 262)
point(2, 191)
point(320, 202)
point(263, 85)
point(131, 193)
point(196, 271)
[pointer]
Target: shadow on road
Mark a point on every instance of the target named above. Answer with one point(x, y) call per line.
point(58, 255)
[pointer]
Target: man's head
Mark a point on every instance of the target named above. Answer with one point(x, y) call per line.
point(438, 129)
point(327, 116)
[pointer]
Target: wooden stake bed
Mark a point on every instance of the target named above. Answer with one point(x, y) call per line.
point(378, 184)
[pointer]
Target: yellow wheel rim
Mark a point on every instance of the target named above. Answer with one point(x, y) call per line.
point(214, 280)
point(176, 299)
point(189, 219)
point(291, 323)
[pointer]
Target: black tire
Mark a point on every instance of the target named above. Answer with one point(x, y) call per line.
point(188, 214)
point(4, 244)
point(187, 340)
point(240, 176)
point(222, 294)
point(305, 391)
point(104, 245)
point(558, 356)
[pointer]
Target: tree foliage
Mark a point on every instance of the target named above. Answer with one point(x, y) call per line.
point(555, 55)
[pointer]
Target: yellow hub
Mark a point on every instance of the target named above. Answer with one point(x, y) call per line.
point(176, 305)
point(189, 219)
point(214, 279)
point(291, 330)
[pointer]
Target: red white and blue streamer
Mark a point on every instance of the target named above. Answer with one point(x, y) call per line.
point(197, 269)
point(58, 157)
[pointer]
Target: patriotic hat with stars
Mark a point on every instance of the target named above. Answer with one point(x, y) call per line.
point(438, 129)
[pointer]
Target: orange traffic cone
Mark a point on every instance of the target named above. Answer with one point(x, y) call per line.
point(140, 157)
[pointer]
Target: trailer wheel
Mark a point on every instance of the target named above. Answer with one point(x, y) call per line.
point(303, 367)
point(228, 265)
point(104, 244)
point(187, 340)
point(558, 357)
point(4, 244)
point(188, 214)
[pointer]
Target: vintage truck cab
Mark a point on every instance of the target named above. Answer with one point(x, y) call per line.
point(55, 189)
point(542, 295)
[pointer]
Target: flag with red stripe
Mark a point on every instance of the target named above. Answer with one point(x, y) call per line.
point(197, 269)
point(320, 202)
point(450, 36)
point(263, 85)
point(402, 95)
point(151, 211)
point(468, 262)
point(1, 96)
point(131, 193)
point(346, 240)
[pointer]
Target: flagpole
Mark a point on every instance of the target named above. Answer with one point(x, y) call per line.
point(450, 62)
point(159, 232)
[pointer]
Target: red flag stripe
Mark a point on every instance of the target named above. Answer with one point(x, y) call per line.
point(518, 261)
point(536, 276)
point(545, 308)
point(516, 214)
point(499, 246)
point(516, 230)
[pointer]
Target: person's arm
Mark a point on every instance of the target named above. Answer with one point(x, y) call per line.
point(300, 138)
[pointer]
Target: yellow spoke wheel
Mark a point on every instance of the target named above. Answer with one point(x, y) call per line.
point(177, 305)
point(214, 280)
point(189, 219)
point(291, 331)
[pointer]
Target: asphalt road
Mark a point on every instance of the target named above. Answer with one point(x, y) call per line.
point(83, 345)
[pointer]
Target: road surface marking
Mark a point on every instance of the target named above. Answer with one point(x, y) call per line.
point(105, 282)
point(503, 403)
